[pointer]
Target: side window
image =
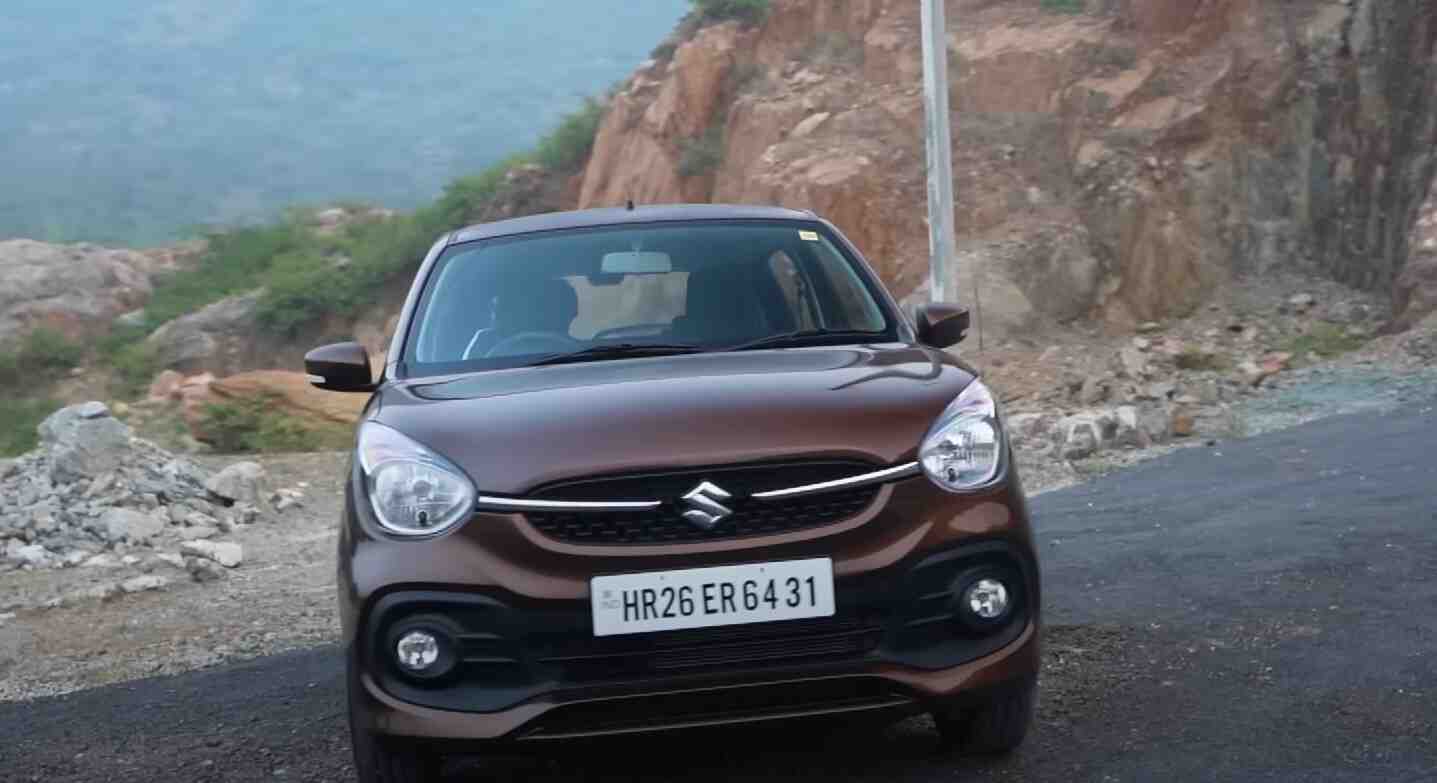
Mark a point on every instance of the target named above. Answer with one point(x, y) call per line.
point(797, 293)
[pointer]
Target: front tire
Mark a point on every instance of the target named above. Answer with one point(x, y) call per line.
point(994, 726)
point(380, 759)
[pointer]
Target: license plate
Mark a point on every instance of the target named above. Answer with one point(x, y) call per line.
point(711, 597)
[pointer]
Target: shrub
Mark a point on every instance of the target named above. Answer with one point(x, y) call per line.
point(235, 262)
point(1326, 340)
point(256, 426)
point(746, 11)
point(1063, 6)
point(135, 365)
point(18, 419)
point(702, 155)
point(567, 146)
point(42, 355)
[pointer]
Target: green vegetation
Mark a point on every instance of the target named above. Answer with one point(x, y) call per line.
point(1064, 6)
point(41, 358)
point(256, 425)
point(702, 155)
point(569, 144)
point(18, 420)
point(43, 355)
point(746, 11)
point(1196, 359)
point(1326, 340)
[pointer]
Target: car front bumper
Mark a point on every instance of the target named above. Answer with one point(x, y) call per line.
point(534, 671)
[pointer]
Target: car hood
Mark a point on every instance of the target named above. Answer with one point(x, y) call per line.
point(513, 430)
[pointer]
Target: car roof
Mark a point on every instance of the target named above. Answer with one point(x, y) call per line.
point(615, 216)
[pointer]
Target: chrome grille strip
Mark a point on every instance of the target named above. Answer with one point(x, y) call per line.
point(863, 479)
point(495, 503)
point(521, 504)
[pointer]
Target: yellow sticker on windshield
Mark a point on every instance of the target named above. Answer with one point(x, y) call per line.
point(808, 236)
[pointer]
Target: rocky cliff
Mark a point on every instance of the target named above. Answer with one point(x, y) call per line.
point(1120, 163)
point(77, 290)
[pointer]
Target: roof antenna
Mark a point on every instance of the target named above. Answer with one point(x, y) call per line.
point(631, 205)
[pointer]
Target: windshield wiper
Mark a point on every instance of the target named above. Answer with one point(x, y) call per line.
point(779, 340)
point(618, 351)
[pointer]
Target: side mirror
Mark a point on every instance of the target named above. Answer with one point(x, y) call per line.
point(941, 324)
point(342, 367)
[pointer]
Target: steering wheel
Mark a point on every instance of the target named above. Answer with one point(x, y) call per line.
point(544, 342)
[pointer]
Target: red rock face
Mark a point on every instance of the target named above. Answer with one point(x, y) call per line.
point(1154, 151)
point(1415, 295)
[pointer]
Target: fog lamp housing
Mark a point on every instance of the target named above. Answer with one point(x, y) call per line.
point(423, 648)
point(985, 600)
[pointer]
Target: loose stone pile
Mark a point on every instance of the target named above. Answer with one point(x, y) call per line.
point(94, 495)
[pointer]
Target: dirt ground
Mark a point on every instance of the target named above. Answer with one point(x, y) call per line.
point(280, 598)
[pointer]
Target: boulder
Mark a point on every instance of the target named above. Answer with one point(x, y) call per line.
point(84, 441)
point(1083, 434)
point(123, 525)
point(1127, 429)
point(214, 338)
point(76, 289)
point(242, 482)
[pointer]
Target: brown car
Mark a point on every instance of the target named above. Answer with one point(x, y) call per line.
point(634, 470)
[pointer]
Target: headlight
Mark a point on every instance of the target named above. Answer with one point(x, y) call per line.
point(962, 451)
point(414, 491)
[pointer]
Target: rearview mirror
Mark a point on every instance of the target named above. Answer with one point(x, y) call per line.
point(342, 367)
point(637, 262)
point(941, 324)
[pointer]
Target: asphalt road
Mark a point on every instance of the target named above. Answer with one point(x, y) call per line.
point(1263, 610)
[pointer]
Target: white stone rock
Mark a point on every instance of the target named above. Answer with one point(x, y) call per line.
point(242, 482)
point(1082, 436)
point(226, 553)
point(123, 524)
point(809, 125)
point(142, 584)
point(172, 558)
point(1128, 431)
point(102, 560)
point(34, 555)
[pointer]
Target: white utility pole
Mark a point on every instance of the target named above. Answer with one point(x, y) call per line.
point(941, 245)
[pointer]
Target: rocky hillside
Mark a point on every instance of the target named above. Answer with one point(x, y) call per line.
point(76, 290)
point(1416, 293)
point(1119, 163)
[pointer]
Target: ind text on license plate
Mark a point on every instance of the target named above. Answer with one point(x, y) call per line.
point(709, 597)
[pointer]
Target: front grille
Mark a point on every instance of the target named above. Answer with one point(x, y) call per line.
point(666, 525)
point(585, 658)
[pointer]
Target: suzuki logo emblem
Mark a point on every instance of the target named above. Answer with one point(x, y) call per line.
point(706, 508)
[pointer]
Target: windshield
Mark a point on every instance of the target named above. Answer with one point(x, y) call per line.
point(640, 289)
